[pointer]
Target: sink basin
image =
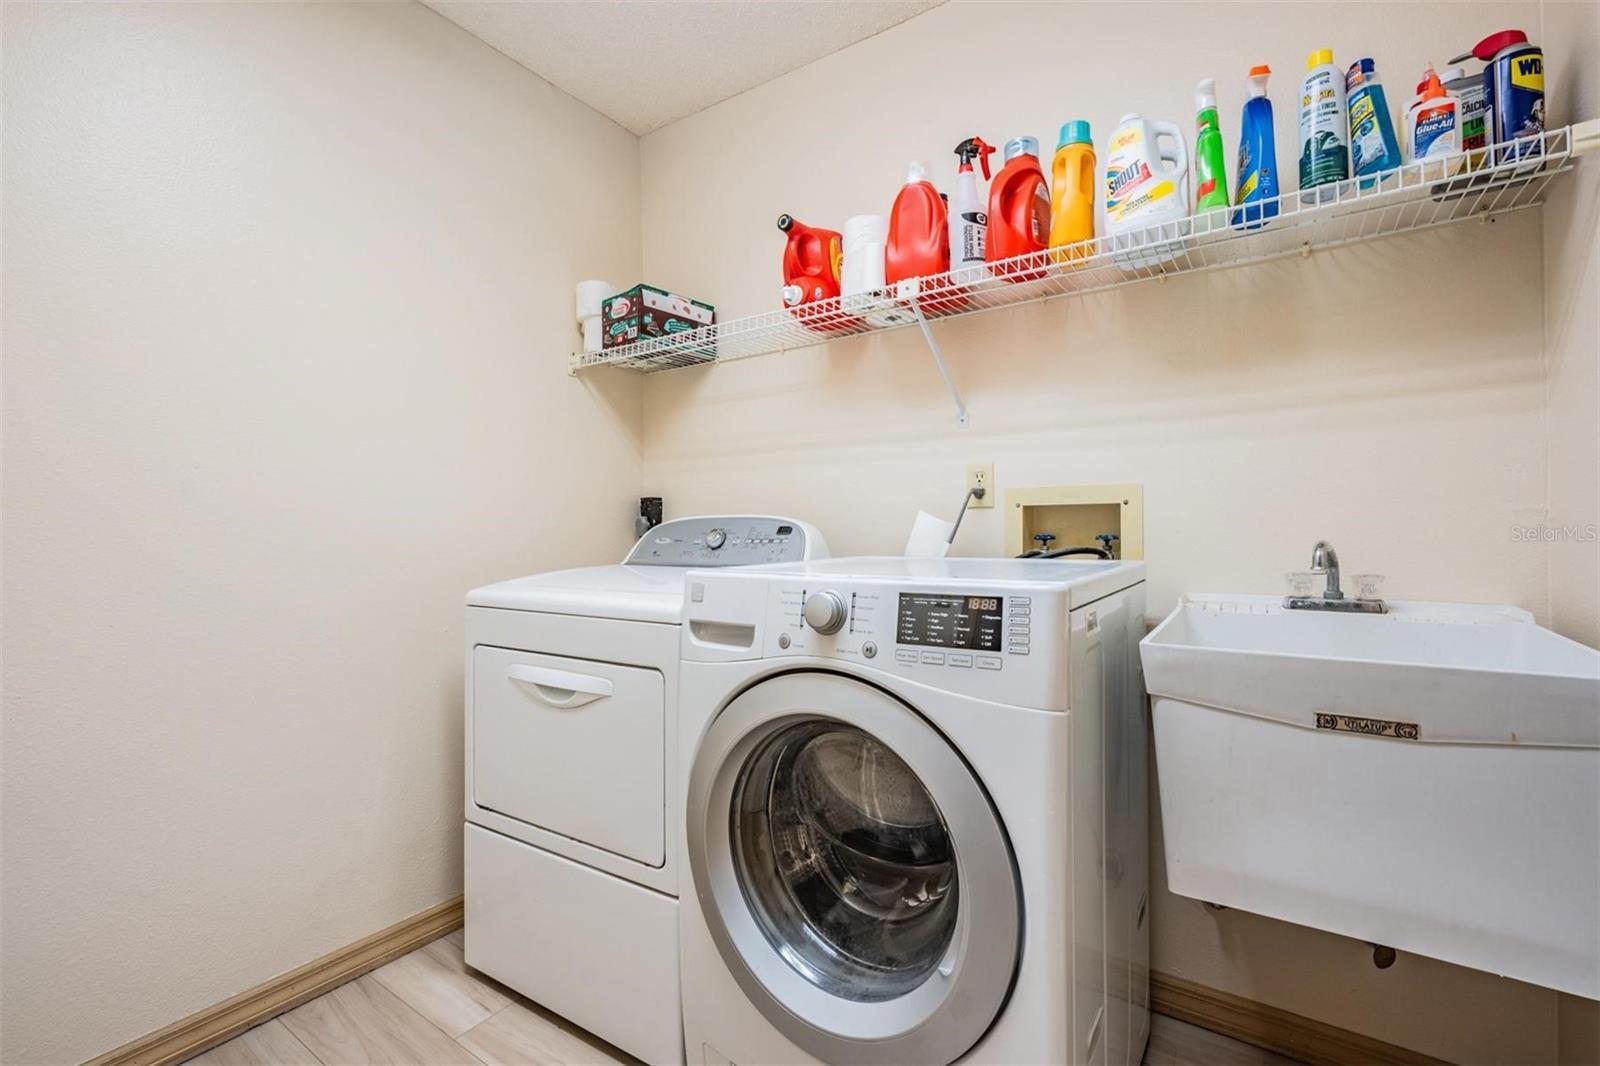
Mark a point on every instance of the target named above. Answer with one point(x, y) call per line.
point(1427, 779)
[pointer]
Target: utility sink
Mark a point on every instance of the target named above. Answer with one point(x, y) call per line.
point(1426, 779)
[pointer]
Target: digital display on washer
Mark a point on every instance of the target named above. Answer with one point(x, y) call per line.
point(972, 622)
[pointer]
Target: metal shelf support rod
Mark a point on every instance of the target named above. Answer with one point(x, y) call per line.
point(962, 419)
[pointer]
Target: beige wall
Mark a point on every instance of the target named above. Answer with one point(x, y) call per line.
point(288, 294)
point(1391, 398)
point(1572, 328)
point(1571, 31)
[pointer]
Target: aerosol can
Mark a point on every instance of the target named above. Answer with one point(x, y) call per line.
point(969, 219)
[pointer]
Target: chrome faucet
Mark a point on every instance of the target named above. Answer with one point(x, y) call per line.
point(1325, 561)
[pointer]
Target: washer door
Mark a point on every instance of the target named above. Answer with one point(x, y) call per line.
point(853, 873)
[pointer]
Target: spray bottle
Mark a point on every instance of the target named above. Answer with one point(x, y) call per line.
point(968, 216)
point(1257, 195)
point(1210, 176)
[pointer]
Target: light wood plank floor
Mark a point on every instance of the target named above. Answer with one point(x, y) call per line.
point(428, 1008)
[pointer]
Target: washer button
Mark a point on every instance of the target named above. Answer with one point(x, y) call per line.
point(783, 640)
point(901, 655)
point(1017, 637)
point(1014, 650)
point(933, 658)
point(960, 658)
point(988, 662)
point(870, 650)
point(1021, 601)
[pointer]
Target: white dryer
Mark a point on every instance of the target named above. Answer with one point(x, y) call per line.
point(915, 813)
point(571, 861)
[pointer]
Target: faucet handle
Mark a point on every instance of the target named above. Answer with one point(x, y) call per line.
point(1368, 586)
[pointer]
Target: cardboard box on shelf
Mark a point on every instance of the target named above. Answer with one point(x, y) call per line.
point(644, 312)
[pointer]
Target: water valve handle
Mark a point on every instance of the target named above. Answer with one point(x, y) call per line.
point(1044, 540)
point(1106, 540)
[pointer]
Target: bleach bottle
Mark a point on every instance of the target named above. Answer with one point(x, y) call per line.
point(969, 218)
point(1146, 192)
point(1373, 148)
point(1257, 192)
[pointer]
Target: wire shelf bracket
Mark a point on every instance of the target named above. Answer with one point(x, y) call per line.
point(962, 418)
point(1483, 185)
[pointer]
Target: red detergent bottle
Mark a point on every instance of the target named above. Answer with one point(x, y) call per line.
point(810, 262)
point(919, 231)
point(1019, 212)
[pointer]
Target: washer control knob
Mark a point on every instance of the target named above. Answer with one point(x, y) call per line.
point(825, 611)
point(715, 538)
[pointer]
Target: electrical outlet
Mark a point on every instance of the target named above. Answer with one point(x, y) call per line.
point(981, 476)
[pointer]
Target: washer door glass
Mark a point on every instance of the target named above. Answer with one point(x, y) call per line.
point(852, 872)
point(845, 860)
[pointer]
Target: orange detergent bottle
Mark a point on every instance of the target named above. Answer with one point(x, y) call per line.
point(919, 231)
point(810, 262)
point(1019, 212)
point(1072, 194)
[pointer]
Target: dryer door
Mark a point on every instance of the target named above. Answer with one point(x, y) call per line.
point(852, 871)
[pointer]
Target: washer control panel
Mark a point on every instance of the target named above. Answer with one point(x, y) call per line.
point(927, 633)
point(724, 540)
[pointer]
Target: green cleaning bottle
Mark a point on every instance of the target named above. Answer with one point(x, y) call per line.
point(1210, 177)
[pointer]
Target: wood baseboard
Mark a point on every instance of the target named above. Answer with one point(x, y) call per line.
point(1293, 1035)
point(207, 1028)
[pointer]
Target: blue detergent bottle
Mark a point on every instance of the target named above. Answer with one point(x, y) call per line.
point(1373, 147)
point(1257, 172)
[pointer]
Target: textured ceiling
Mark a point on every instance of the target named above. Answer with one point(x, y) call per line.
point(645, 64)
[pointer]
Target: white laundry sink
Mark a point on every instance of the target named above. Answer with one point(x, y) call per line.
point(1427, 779)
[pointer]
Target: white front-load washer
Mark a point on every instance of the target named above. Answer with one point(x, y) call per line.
point(571, 861)
point(915, 813)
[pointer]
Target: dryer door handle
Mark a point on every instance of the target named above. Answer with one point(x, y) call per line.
point(560, 688)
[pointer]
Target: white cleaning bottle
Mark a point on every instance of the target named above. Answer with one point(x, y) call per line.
point(1146, 192)
point(1324, 129)
point(969, 221)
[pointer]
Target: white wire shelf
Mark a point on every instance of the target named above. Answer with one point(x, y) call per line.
point(1481, 185)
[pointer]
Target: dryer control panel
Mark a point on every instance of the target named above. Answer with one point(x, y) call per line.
point(727, 540)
